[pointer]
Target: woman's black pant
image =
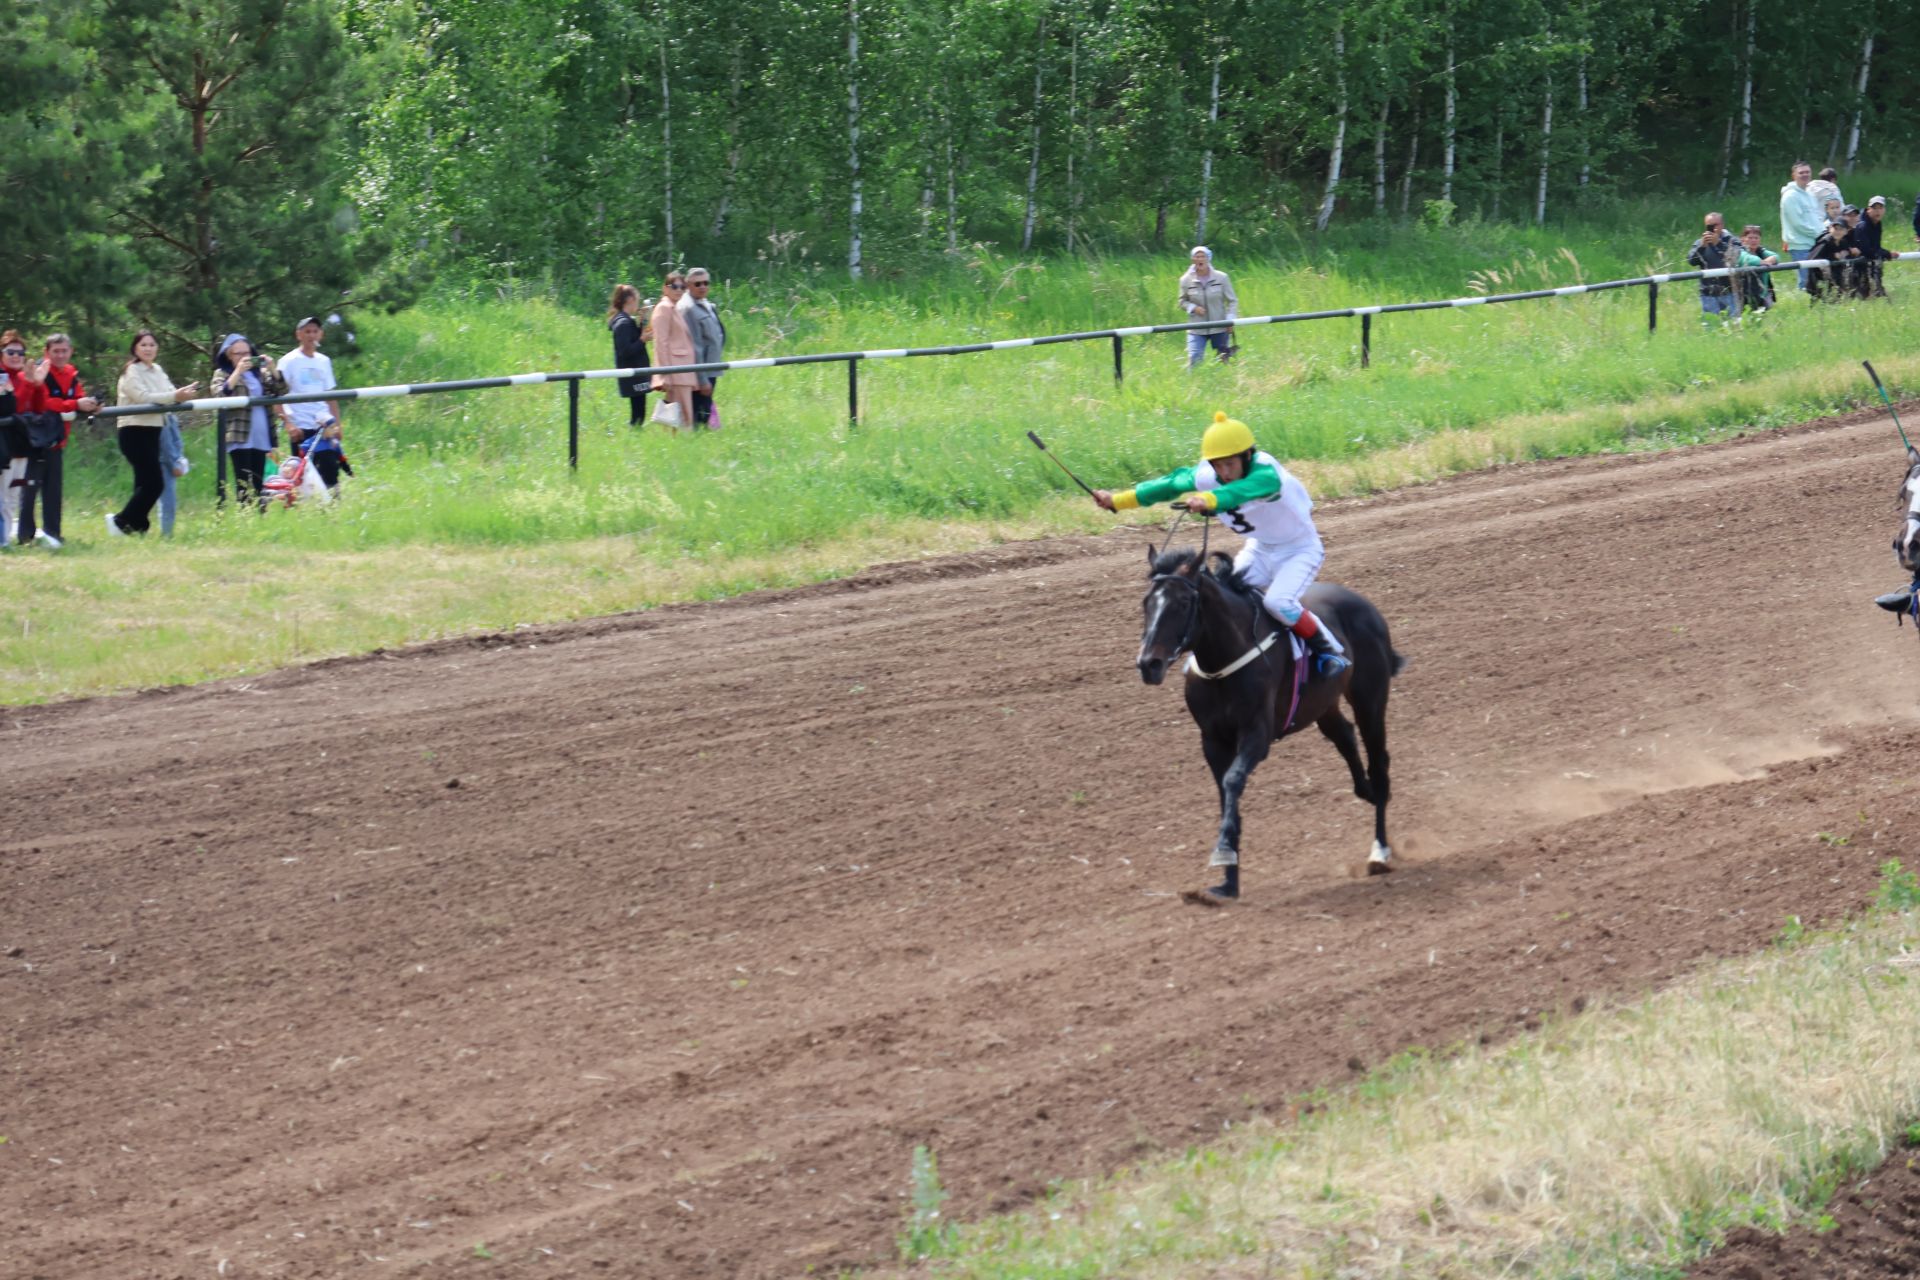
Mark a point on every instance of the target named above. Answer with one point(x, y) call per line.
point(636, 408)
point(249, 474)
point(140, 446)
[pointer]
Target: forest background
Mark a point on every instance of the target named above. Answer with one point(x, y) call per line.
point(206, 165)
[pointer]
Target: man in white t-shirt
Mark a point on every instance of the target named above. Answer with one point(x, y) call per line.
point(306, 370)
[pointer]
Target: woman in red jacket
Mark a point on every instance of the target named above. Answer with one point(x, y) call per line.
point(67, 397)
point(26, 434)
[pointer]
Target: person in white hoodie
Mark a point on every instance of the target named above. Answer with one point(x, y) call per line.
point(1801, 221)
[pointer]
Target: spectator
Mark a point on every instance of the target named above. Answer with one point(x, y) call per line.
point(1833, 247)
point(630, 337)
point(1711, 252)
point(248, 433)
point(66, 397)
point(27, 432)
point(1826, 187)
point(709, 341)
point(1207, 294)
point(675, 345)
point(1756, 287)
point(1916, 219)
point(143, 382)
point(313, 426)
point(1866, 242)
point(1848, 276)
point(173, 466)
point(1799, 217)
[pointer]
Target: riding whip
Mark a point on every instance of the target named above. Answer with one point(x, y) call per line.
point(1041, 445)
point(1889, 402)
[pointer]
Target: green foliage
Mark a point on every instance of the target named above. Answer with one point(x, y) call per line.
point(927, 1234)
point(1899, 888)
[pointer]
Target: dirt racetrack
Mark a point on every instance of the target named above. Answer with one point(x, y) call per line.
point(652, 946)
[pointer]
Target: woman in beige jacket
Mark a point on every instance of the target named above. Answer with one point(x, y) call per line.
point(673, 344)
point(144, 382)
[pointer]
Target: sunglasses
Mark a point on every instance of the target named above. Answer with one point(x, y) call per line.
point(698, 284)
point(14, 351)
point(676, 286)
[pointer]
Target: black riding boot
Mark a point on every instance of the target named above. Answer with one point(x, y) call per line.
point(1327, 661)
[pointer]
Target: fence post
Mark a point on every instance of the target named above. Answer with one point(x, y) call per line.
point(853, 391)
point(1366, 340)
point(1119, 369)
point(219, 466)
point(573, 423)
point(1653, 305)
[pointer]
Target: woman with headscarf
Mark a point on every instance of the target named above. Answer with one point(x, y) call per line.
point(1206, 294)
point(248, 434)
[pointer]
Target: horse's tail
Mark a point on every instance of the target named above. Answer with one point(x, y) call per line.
point(1398, 664)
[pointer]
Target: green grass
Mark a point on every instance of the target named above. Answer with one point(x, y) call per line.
point(481, 477)
point(1623, 1142)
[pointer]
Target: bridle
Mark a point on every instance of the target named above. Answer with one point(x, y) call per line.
point(1193, 588)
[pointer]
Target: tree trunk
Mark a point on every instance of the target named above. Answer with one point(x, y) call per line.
point(1380, 160)
point(1546, 147)
point(1339, 128)
point(1726, 155)
point(1586, 131)
point(1746, 100)
point(1160, 217)
point(1859, 103)
point(1499, 162)
point(1033, 166)
point(1073, 133)
point(731, 177)
point(853, 136)
point(1413, 159)
point(666, 137)
point(1206, 159)
point(1446, 164)
point(953, 198)
point(1833, 143)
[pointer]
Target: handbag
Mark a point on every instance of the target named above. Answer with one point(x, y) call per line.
point(667, 413)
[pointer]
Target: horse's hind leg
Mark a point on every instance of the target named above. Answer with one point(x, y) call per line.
point(1372, 717)
point(1339, 731)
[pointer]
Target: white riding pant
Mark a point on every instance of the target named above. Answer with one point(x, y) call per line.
point(1280, 574)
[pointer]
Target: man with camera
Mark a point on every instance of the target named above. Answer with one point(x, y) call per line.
point(1712, 251)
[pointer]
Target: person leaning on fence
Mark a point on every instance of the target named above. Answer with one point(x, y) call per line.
point(143, 382)
point(630, 337)
point(1866, 239)
point(1207, 294)
point(1712, 251)
point(248, 434)
point(66, 396)
point(1833, 247)
point(1800, 223)
point(313, 426)
point(709, 342)
point(1756, 287)
point(173, 468)
point(674, 346)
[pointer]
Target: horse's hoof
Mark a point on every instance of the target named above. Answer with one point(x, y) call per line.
point(1217, 896)
point(1380, 861)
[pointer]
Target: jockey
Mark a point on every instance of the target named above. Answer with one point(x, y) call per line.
point(1253, 495)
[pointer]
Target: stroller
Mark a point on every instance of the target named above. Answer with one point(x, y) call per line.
point(296, 481)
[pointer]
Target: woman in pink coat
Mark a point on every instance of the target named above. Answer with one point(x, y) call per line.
point(673, 344)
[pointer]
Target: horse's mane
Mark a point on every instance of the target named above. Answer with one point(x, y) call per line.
point(1219, 568)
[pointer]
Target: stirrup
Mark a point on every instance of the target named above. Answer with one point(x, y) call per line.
point(1330, 664)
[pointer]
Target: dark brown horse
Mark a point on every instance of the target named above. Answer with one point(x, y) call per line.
point(1246, 688)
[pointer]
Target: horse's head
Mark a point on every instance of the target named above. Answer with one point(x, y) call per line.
point(1906, 547)
point(1172, 609)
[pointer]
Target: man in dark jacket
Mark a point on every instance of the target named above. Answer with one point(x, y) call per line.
point(1712, 251)
point(1866, 238)
point(1835, 245)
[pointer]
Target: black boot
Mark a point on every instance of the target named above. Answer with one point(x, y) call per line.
point(1327, 662)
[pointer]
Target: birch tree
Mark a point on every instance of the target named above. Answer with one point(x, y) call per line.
point(1339, 125)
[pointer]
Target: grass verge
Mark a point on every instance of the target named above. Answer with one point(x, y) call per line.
point(1619, 1143)
point(100, 617)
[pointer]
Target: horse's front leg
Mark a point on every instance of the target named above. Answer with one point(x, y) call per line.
point(1247, 754)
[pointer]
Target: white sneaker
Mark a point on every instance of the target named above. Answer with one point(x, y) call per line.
point(113, 527)
point(47, 540)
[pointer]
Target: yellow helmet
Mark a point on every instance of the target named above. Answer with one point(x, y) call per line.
point(1225, 438)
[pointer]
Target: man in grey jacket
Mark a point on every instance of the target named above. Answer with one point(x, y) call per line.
point(709, 340)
